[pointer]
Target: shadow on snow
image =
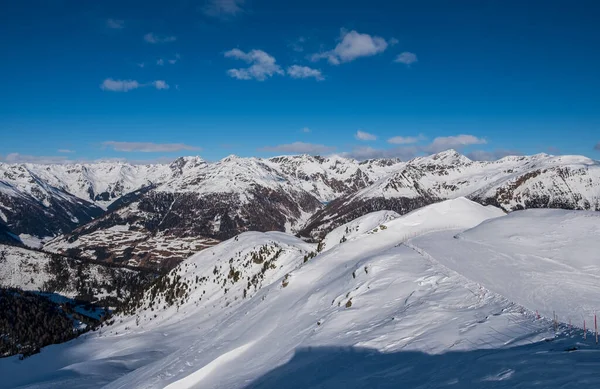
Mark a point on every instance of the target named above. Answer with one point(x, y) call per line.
point(560, 363)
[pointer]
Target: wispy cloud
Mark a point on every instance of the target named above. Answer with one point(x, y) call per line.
point(160, 62)
point(141, 65)
point(115, 24)
point(306, 130)
point(223, 8)
point(406, 58)
point(175, 60)
point(112, 85)
point(597, 147)
point(352, 45)
point(404, 140)
point(119, 85)
point(148, 147)
point(367, 152)
point(262, 64)
point(296, 71)
point(160, 84)
point(481, 155)
point(298, 44)
point(62, 159)
point(41, 159)
point(154, 38)
point(364, 136)
point(65, 151)
point(442, 143)
point(298, 148)
point(410, 149)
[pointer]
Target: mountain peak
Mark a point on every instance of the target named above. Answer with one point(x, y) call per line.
point(448, 157)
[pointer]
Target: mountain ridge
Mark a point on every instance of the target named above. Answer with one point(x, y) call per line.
point(192, 199)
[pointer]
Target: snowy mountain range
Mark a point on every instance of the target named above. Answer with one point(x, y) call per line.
point(89, 208)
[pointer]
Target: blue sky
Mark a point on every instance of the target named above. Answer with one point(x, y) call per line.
point(153, 80)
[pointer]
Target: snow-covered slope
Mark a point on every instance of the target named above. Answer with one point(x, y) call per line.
point(30, 205)
point(32, 270)
point(199, 203)
point(191, 198)
point(102, 182)
point(369, 223)
point(538, 181)
point(545, 260)
point(375, 310)
point(332, 177)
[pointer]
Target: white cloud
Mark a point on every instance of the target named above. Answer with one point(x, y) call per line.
point(153, 38)
point(405, 153)
point(223, 8)
point(119, 85)
point(66, 151)
point(393, 41)
point(41, 159)
point(480, 155)
point(61, 159)
point(404, 140)
point(148, 147)
point(298, 148)
point(442, 143)
point(406, 58)
point(296, 71)
point(115, 24)
point(353, 45)
point(365, 136)
point(160, 62)
point(160, 84)
point(112, 85)
point(306, 130)
point(437, 145)
point(141, 65)
point(262, 65)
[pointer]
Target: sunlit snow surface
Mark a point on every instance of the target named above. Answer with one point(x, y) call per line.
point(408, 305)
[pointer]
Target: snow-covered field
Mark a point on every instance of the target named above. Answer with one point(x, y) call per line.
point(544, 260)
point(400, 302)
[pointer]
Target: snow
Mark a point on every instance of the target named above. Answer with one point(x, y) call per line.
point(79, 180)
point(448, 174)
point(28, 270)
point(544, 260)
point(33, 241)
point(358, 227)
point(382, 308)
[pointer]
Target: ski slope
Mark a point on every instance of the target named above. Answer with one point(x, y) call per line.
point(380, 309)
